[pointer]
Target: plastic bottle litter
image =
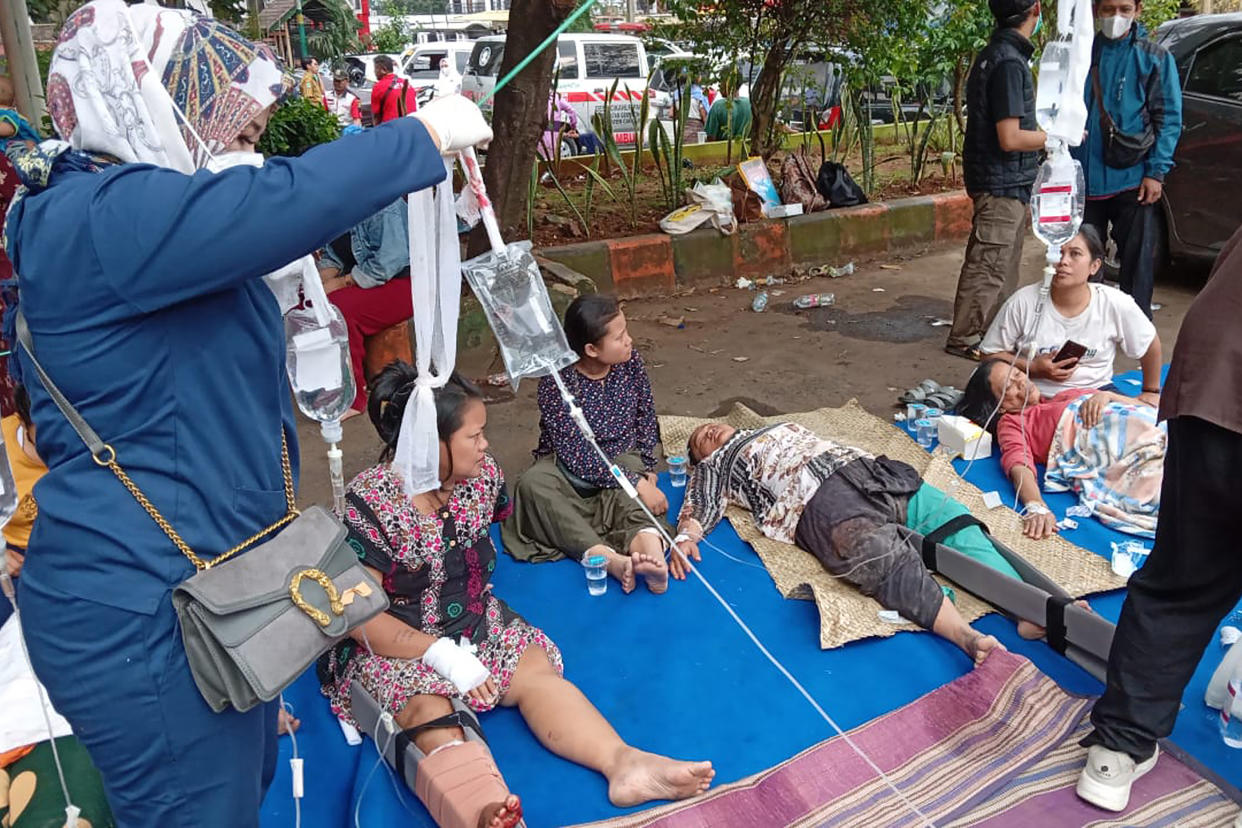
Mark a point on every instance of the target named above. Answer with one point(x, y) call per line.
point(1231, 712)
point(838, 272)
point(760, 303)
point(815, 300)
point(744, 284)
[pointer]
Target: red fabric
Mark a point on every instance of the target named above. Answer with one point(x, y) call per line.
point(355, 110)
point(391, 111)
point(368, 311)
point(1040, 425)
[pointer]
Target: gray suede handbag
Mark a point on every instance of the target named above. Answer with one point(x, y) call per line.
point(252, 624)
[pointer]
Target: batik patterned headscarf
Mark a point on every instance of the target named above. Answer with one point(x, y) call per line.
point(160, 86)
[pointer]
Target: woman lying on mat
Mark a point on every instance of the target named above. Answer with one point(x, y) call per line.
point(434, 557)
point(1080, 329)
point(1031, 430)
point(852, 511)
point(568, 504)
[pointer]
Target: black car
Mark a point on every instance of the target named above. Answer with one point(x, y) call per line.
point(1202, 205)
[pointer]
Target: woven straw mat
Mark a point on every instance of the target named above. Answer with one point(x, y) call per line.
point(845, 614)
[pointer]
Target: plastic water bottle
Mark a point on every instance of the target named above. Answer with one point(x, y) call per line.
point(1231, 712)
point(317, 361)
point(815, 300)
point(760, 303)
point(1058, 200)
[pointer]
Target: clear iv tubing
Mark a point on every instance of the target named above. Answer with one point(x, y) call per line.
point(579, 418)
point(72, 812)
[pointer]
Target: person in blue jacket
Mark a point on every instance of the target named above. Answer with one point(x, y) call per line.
point(1138, 90)
point(140, 277)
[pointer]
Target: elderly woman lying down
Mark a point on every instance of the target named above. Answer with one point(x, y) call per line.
point(854, 512)
point(1106, 447)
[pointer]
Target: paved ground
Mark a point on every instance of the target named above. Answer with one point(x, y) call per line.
point(870, 346)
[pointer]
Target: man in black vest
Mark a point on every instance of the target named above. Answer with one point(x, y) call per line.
point(1000, 158)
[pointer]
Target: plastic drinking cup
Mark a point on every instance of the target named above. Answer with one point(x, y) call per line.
point(677, 471)
point(925, 432)
point(932, 414)
point(596, 567)
point(914, 413)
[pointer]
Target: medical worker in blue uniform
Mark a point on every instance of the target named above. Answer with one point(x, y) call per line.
point(140, 275)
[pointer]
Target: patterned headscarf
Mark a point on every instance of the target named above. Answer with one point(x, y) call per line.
point(145, 84)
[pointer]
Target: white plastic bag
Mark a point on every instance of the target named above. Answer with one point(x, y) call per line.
point(709, 202)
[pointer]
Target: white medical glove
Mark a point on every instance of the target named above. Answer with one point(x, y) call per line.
point(455, 123)
point(457, 664)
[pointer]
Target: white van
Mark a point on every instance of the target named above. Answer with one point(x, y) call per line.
point(588, 65)
point(421, 64)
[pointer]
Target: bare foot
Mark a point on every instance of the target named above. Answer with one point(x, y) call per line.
point(502, 814)
point(1032, 631)
point(640, 777)
point(653, 569)
point(978, 646)
point(621, 568)
point(350, 414)
point(286, 723)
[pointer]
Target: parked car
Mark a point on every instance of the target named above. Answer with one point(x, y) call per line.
point(1201, 204)
point(421, 64)
point(587, 66)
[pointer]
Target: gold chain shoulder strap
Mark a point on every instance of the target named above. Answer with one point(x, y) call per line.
point(107, 459)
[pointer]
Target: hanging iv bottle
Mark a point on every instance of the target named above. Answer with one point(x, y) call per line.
point(317, 360)
point(1058, 200)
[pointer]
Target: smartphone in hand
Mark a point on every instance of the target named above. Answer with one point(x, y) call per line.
point(1070, 350)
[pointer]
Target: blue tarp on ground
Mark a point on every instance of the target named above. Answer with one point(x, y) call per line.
point(675, 675)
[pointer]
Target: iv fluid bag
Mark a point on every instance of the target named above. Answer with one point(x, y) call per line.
point(1060, 107)
point(8, 489)
point(1058, 199)
point(317, 360)
point(516, 302)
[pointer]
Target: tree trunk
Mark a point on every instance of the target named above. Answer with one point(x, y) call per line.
point(959, 94)
point(519, 114)
point(764, 98)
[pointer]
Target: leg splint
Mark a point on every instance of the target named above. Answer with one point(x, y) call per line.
point(1078, 634)
point(457, 781)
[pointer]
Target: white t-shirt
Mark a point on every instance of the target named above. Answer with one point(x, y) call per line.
point(1112, 319)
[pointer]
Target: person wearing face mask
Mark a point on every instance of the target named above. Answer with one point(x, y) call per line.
point(1134, 101)
point(1000, 157)
point(140, 277)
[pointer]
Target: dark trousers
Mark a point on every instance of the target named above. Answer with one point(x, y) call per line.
point(1134, 231)
point(1192, 579)
point(123, 682)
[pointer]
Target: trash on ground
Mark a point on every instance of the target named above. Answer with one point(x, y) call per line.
point(1156, 306)
point(941, 323)
point(697, 348)
point(497, 380)
point(838, 272)
point(760, 303)
point(741, 359)
point(890, 267)
point(899, 417)
point(877, 290)
point(689, 309)
point(673, 321)
point(744, 284)
point(815, 300)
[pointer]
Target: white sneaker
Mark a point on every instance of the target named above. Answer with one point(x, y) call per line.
point(1106, 779)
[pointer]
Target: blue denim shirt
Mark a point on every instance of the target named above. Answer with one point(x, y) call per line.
point(381, 246)
point(142, 288)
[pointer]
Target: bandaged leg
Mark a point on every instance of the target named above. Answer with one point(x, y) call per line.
point(457, 782)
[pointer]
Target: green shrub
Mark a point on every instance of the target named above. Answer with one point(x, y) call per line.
point(296, 126)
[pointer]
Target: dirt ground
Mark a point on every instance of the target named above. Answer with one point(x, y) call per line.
point(876, 341)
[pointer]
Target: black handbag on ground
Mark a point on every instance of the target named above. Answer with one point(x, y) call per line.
point(836, 184)
point(1122, 150)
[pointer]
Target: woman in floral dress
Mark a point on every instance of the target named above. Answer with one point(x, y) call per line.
point(434, 557)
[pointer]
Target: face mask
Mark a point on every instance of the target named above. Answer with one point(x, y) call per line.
point(224, 160)
point(1115, 27)
point(1039, 24)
